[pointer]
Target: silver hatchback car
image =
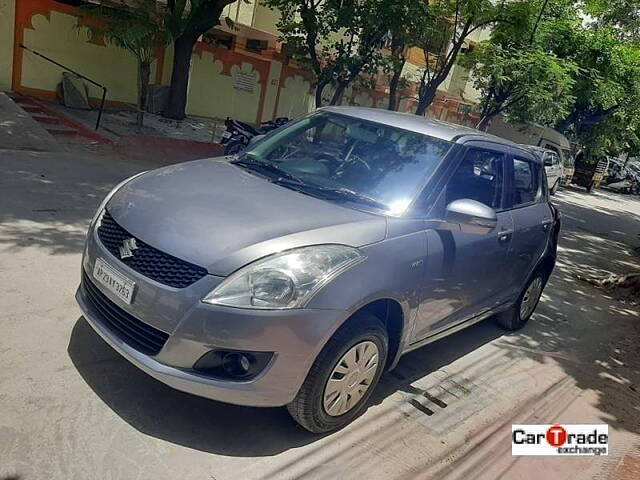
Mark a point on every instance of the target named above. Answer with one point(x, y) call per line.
point(297, 272)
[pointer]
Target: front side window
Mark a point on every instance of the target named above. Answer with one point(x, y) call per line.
point(526, 182)
point(339, 157)
point(479, 177)
point(548, 159)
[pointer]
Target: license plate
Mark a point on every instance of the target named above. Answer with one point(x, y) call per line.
point(226, 135)
point(114, 281)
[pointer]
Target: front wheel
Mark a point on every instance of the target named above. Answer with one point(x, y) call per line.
point(520, 313)
point(343, 376)
point(555, 187)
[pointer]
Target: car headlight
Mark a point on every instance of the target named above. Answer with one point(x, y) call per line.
point(106, 199)
point(285, 280)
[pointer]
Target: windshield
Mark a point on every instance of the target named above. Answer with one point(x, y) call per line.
point(344, 158)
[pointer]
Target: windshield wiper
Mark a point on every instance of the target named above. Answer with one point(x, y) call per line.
point(341, 193)
point(272, 170)
point(282, 177)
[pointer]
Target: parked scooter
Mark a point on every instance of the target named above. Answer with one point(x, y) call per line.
point(238, 134)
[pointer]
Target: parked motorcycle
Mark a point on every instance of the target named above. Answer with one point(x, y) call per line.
point(238, 134)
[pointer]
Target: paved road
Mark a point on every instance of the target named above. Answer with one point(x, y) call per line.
point(70, 408)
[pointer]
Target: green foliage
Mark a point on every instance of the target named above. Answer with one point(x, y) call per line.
point(136, 28)
point(517, 73)
point(525, 83)
point(621, 15)
point(605, 115)
point(192, 17)
point(444, 33)
point(337, 40)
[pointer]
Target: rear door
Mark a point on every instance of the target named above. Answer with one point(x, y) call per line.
point(465, 273)
point(531, 213)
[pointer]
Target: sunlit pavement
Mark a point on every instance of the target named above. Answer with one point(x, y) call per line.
point(70, 407)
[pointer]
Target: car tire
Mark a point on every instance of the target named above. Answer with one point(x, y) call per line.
point(590, 187)
point(308, 408)
point(517, 316)
point(555, 187)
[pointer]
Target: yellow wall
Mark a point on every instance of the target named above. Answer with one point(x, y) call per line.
point(295, 99)
point(272, 90)
point(57, 38)
point(211, 94)
point(7, 21)
point(266, 19)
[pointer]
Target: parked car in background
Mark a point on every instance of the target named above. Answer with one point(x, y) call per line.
point(622, 177)
point(568, 167)
point(538, 136)
point(298, 272)
point(552, 166)
point(590, 172)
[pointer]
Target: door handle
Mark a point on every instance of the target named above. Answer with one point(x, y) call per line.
point(546, 222)
point(504, 235)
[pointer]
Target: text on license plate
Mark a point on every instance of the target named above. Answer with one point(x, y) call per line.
point(113, 280)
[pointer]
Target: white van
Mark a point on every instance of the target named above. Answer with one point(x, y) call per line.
point(539, 136)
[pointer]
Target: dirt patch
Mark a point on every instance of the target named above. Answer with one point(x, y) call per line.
point(624, 287)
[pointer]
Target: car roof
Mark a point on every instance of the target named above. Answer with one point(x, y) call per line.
point(415, 123)
point(536, 151)
point(535, 148)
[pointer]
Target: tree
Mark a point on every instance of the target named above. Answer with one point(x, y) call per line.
point(407, 20)
point(526, 84)
point(516, 72)
point(136, 28)
point(451, 24)
point(622, 15)
point(186, 21)
point(605, 116)
point(337, 40)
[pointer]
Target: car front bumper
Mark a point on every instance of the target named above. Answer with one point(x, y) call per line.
point(194, 328)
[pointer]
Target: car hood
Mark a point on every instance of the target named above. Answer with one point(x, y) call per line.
point(221, 217)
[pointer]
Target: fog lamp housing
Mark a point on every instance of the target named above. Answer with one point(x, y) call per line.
point(232, 365)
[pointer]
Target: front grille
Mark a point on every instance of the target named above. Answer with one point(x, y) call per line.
point(146, 260)
point(133, 332)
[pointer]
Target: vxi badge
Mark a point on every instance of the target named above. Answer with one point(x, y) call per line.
point(560, 440)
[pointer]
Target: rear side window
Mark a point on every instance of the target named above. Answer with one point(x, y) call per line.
point(479, 177)
point(526, 182)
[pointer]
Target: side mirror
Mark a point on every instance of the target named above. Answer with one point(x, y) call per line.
point(471, 216)
point(253, 140)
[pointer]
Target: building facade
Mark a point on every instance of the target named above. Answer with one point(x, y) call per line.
point(240, 72)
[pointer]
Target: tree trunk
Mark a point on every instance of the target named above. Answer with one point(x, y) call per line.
point(485, 122)
point(319, 89)
point(426, 99)
point(337, 95)
point(394, 82)
point(428, 91)
point(182, 50)
point(144, 72)
point(399, 60)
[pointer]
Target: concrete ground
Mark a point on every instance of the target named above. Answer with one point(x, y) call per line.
point(71, 408)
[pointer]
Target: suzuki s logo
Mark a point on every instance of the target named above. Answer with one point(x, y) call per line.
point(127, 248)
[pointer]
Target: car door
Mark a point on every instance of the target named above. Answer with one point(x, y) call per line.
point(532, 215)
point(552, 164)
point(551, 168)
point(464, 274)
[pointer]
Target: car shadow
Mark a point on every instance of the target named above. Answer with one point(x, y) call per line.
point(206, 425)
